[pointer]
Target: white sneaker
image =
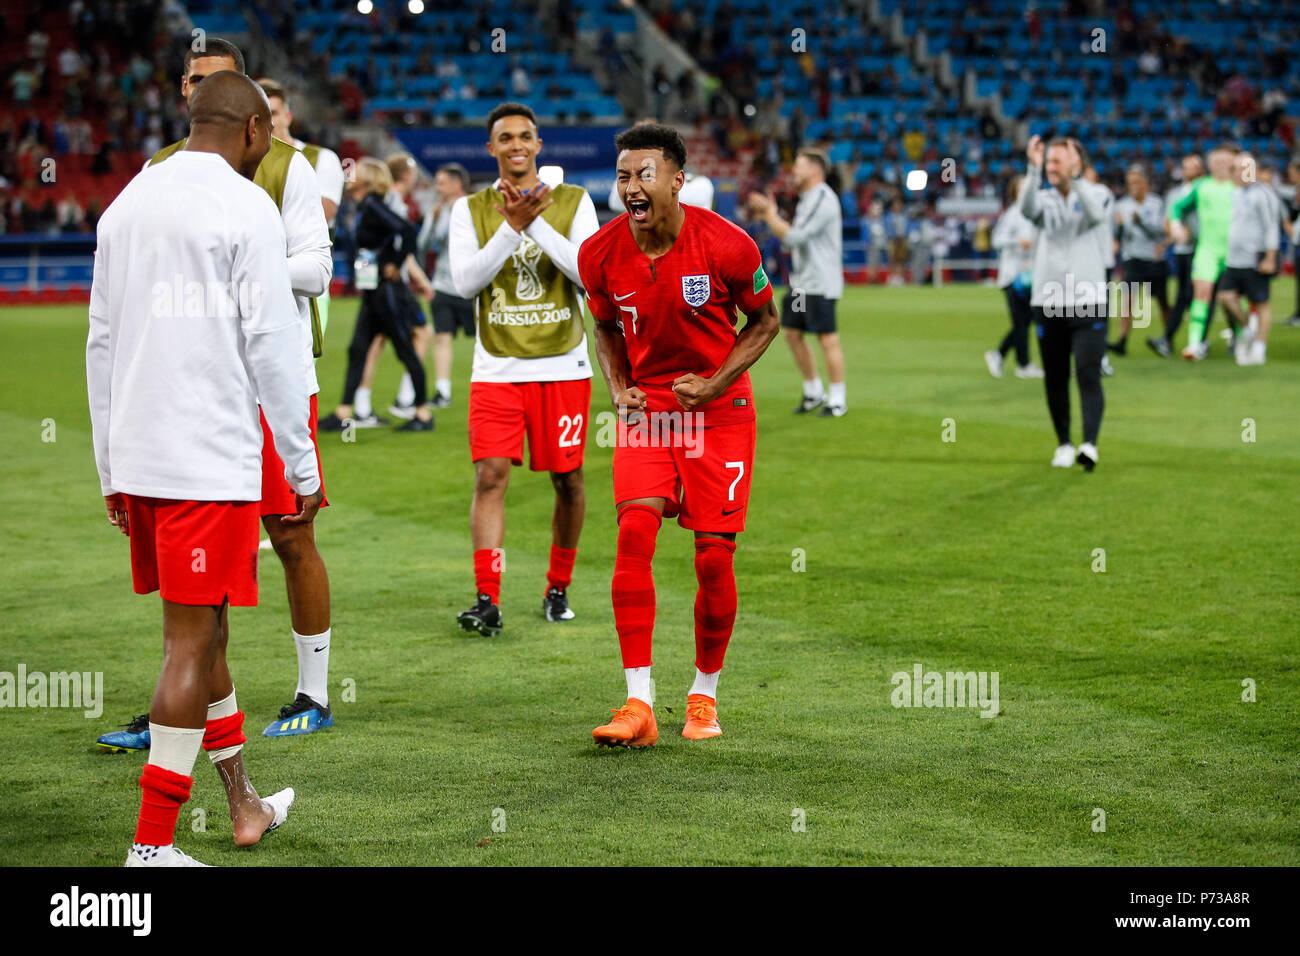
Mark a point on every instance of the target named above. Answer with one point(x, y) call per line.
point(1195, 353)
point(1252, 355)
point(166, 856)
point(1226, 335)
point(404, 412)
point(1064, 457)
point(993, 359)
point(1088, 456)
point(280, 802)
point(1029, 371)
point(1106, 367)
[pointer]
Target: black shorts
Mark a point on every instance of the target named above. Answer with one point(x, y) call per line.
point(1151, 271)
point(817, 315)
point(451, 312)
point(1251, 283)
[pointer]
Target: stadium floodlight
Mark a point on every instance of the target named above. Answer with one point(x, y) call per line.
point(365, 7)
point(916, 180)
point(551, 175)
point(415, 6)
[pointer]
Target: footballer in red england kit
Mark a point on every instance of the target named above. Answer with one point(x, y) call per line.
point(664, 282)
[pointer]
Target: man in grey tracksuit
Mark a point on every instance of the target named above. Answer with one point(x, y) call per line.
point(1140, 229)
point(1069, 295)
point(1252, 258)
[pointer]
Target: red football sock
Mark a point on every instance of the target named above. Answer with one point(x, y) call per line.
point(715, 602)
point(633, 587)
point(560, 573)
point(160, 804)
point(487, 572)
point(224, 732)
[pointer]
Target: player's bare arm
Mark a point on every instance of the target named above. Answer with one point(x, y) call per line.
point(611, 353)
point(760, 329)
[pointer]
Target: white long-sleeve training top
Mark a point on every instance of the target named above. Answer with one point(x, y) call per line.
point(1013, 259)
point(474, 267)
point(307, 244)
point(192, 319)
point(1069, 267)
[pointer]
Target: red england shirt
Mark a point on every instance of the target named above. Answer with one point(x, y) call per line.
point(677, 313)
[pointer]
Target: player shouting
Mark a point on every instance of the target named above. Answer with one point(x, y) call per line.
point(514, 251)
point(664, 282)
point(174, 388)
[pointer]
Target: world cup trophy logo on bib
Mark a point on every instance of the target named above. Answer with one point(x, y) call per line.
point(695, 290)
point(528, 285)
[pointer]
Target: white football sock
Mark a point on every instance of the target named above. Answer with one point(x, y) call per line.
point(443, 387)
point(314, 665)
point(226, 707)
point(361, 406)
point(639, 684)
point(812, 388)
point(837, 394)
point(174, 748)
point(406, 391)
point(706, 684)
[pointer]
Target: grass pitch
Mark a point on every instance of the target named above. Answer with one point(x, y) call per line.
point(1119, 690)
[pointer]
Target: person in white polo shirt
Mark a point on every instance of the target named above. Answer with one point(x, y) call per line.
point(815, 240)
point(192, 322)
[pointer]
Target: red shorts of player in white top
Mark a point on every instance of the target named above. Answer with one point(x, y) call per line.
point(277, 496)
point(553, 415)
point(194, 552)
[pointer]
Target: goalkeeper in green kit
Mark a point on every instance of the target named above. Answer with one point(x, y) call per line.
point(1211, 198)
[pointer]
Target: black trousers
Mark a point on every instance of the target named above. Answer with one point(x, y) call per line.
point(1183, 300)
point(1085, 339)
point(384, 311)
point(1021, 317)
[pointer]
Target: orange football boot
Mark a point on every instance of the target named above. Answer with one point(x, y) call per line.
point(633, 726)
point(701, 718)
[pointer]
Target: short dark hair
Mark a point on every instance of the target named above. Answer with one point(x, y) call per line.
point(510, 109)
point(214, 46)
point(654, 136)
point(457, 170)
point(818, 156)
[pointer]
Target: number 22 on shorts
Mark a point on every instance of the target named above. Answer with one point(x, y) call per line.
point(567, 439)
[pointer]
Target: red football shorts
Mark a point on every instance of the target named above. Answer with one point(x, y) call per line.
point(553, 414)
point(714, 484)
point(277, 496)
point(194, 552)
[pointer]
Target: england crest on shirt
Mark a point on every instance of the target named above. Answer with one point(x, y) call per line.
point(695, 290)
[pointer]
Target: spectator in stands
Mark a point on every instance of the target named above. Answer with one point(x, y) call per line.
point(897, 225)
point(23, 83)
